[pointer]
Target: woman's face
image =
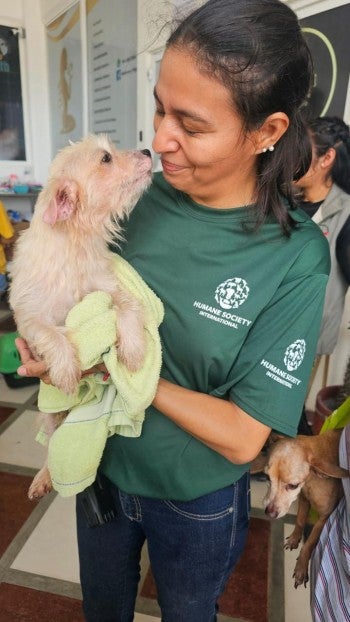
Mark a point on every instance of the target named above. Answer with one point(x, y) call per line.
point(200, 137)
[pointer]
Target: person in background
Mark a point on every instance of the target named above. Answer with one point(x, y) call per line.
point(6, 238)
point(242, 276)
point(325, 197)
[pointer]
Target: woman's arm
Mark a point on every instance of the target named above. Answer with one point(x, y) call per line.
point(218, 423)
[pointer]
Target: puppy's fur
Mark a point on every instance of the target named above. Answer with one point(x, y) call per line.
point(64, 255)
point(306, 467)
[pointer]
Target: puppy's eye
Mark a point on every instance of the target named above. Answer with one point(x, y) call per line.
point(292, 486)
point(106, 157)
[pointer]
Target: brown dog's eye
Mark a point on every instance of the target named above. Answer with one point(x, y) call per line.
point(107, 157)
point(292, 486)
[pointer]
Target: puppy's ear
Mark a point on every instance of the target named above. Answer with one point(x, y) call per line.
point(322, 468)
point(63, 202)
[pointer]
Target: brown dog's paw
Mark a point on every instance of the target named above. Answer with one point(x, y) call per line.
point(300, 575)
point(292, 542)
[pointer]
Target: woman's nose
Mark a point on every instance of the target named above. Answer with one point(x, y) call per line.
point(165, 138)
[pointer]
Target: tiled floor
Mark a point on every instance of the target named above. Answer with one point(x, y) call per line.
point(39, 574)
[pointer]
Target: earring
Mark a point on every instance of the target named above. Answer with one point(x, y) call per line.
point(264, 149)
point(271, 148)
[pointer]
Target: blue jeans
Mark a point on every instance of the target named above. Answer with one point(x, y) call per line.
point(193, 547)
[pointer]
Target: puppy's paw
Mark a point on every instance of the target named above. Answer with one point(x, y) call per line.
point(41, 485)
point(65, 378)
point(131, 352)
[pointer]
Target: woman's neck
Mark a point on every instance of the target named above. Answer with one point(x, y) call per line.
point(318, 193)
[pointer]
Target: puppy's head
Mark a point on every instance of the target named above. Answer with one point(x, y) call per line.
point(287, 468)
point(93, 186)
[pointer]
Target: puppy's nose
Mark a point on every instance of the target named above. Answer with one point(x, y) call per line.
point(146, 152)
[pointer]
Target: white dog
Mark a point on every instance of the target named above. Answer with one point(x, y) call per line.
point(64, 253)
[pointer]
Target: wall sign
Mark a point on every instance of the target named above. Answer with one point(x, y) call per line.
point(327, 35)
point(65, 81)
point(112, 66)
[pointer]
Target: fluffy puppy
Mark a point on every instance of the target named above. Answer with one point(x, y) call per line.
point(304, 468)
point(64, 253)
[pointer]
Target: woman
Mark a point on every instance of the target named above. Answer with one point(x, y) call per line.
point(326, 198)
point(242, 278)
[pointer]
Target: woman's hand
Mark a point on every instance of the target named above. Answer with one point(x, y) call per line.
point(37, 369)
point(30, 367)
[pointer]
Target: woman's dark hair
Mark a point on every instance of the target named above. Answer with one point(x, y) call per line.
point(256, 49)
point(333, 133)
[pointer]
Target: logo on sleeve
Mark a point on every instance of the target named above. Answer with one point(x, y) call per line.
point(294, 354)
point(293, 358)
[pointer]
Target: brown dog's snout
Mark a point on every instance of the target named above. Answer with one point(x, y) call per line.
point(146, 152)
point(271, 511)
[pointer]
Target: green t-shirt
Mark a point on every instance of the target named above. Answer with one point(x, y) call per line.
point(242, 314)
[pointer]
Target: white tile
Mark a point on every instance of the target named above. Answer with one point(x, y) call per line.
point(15, 396)
point(52, 549)
point(297, 601)
point(18, 445)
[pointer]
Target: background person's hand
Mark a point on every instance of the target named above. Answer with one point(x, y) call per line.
point(30, 367)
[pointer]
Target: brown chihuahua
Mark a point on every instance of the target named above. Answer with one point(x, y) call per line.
point(306, 467)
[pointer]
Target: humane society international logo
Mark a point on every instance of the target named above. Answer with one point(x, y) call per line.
point(230, 294)
point(294, 355)
point(293, 358)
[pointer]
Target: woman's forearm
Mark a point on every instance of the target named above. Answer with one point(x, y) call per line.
point(218, 423)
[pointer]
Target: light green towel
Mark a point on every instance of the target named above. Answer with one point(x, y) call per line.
point(101, 407)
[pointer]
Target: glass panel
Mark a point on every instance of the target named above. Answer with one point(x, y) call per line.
point(65, 78)
point(111, 49)
point(12, 143)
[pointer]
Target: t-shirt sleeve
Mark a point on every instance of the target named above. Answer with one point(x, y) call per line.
point(269, 378)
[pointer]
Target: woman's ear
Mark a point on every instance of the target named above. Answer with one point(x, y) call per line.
point(327, 160)
point(269, 133)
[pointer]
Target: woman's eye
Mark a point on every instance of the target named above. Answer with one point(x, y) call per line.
point(190, 132)
point(159, 112)
point(106, 157)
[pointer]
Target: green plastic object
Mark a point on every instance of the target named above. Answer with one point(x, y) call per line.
point(9, 357)
point(10, 361)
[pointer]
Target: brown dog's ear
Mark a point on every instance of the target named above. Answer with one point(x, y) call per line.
point(274, 437)
point(322, 468)
point(258, 464)
point(63, 203)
